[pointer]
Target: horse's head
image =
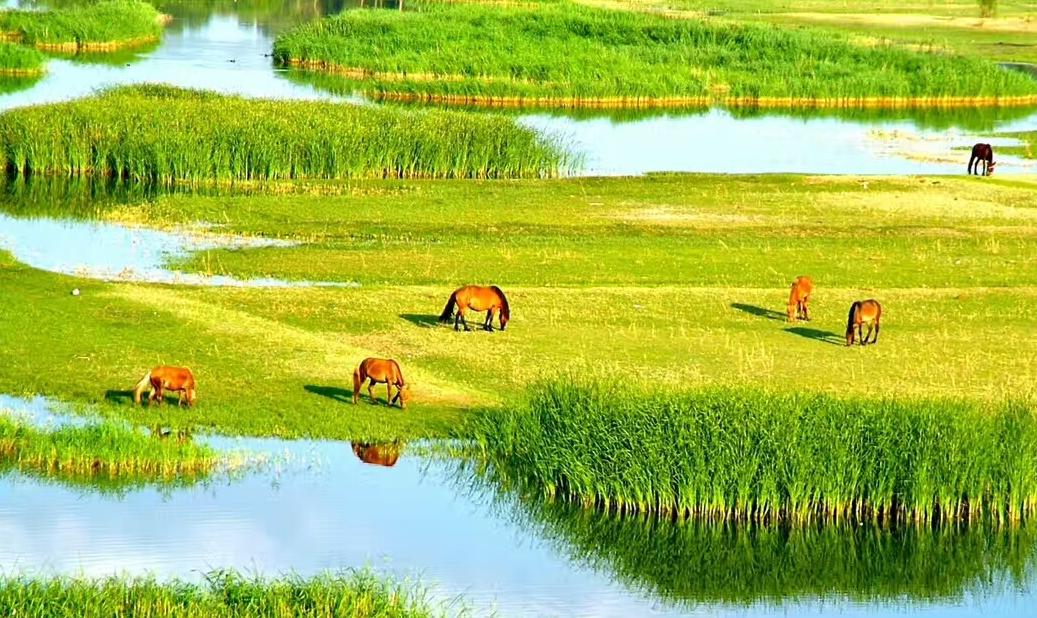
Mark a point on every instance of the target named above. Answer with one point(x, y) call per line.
point(790, 312)
point(504, 320)
point(990, 168)
point(192, 396)
point(403, 394)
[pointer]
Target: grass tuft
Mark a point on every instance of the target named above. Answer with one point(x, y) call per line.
point(18, 60)
point(92, 26)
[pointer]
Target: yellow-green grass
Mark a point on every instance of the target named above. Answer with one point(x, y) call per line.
point(556, 53)
point(101, 451)
point(676, 280)
point(955, 26)
point(352, 594)
point(20, 61)
point(1027, 144)
point(169, 135)
point(747, 455)
point(105, 25)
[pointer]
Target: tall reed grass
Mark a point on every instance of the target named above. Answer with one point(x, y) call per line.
point(85, 26)
point(562, 54)
point(354, 594)
point(744, 455)
point(164, 134)
point(20, 60)
point(101, 451)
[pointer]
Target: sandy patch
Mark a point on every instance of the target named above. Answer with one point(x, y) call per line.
point(672, 215)
point(912, 20)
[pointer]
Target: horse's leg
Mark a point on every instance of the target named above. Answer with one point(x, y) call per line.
point(488, 324)
point(388, 392)
point(370, 388)
point(877, 325)
point(806, 309)
point(464, 322)
point(860, 332)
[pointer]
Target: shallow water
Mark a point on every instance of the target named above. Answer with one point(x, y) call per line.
point(227, 48)
point(317, 507)
point(113, 252)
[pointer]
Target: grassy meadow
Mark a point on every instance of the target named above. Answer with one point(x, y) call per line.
point(675, 280)
point(745, 455)
point(103, 25)
point(558, 53)
point(358, 594)
point(169, 135)
point(18, 60)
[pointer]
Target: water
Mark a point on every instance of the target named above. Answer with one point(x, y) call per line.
point(317, 507)
point(225, 46)
point(113, 252)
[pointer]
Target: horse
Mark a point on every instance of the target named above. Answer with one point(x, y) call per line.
point(799, 298)
point(384, 454)
point(477, 298)
point(380, 370)
point(982, 153)
point(162, 378)
point(863, 312)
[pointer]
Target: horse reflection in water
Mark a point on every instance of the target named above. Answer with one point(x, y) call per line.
point(378, 454)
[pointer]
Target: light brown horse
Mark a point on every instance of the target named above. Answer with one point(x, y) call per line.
point(384, 454)
point(863, 312)
point(163, 378)
point(380, 370)
point(799, 298)
point(477, 298)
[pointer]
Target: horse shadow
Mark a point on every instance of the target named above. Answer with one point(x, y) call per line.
point(119, 397)
point(761, 312)
point(334, 393)
point(823, 336)
point(423, 320)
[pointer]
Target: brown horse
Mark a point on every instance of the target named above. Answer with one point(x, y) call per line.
point(380, 370)
point(162, 378)
point(477, 298)
point(863, 312)
point(982, 153)
point(384, 454)
point(799, 298)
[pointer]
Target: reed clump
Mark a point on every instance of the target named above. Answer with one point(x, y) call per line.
point(746, 455)
point(104, 25)
point(101, 451)
point(165, 134)
point(18, 60)
point(352, 594)
point(557, 53)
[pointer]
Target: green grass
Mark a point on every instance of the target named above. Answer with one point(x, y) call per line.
point(691, 562)
point(1027, 147)
point(746, 455)
point(20, 60)
point(357, 594)
point(86, 26)
point(101, 451)
point(555, 52)
point(581, 262)
point(158, 133)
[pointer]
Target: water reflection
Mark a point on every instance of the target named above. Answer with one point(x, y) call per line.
point(378, 454)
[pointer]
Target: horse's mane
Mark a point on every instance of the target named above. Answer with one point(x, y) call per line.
point(505, 309)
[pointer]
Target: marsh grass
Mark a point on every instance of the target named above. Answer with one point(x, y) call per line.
point(746, 455)
point(562, 54)
point(101, 451)
point(18, 60)
point(352, 594)
point(88, 26)
point(164, 134)
point(694, 562)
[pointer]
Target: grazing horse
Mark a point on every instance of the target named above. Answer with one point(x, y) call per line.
point(163, 378)
point(799, 298)
point(384, 454)
point(863, 312)
point(982, 153)
point(380, 370)
point(477, 298)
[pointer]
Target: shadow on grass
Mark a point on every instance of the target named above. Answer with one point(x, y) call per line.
point(334, 393)
point(423, 320)
point(119, 397)
point(769, 314)
point(125, 397)
point(823, 336)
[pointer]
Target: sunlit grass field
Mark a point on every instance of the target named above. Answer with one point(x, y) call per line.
point(84, 26)
point(668, 280)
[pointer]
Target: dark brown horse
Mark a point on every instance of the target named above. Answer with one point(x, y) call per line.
point(982, 153)
point(863, 312)
point(477, 298)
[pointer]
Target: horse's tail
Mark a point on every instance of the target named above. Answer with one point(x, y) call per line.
point(357, 382)
point(849, 320)
point(505, 309)
point(141, 385)
point(448, 311)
